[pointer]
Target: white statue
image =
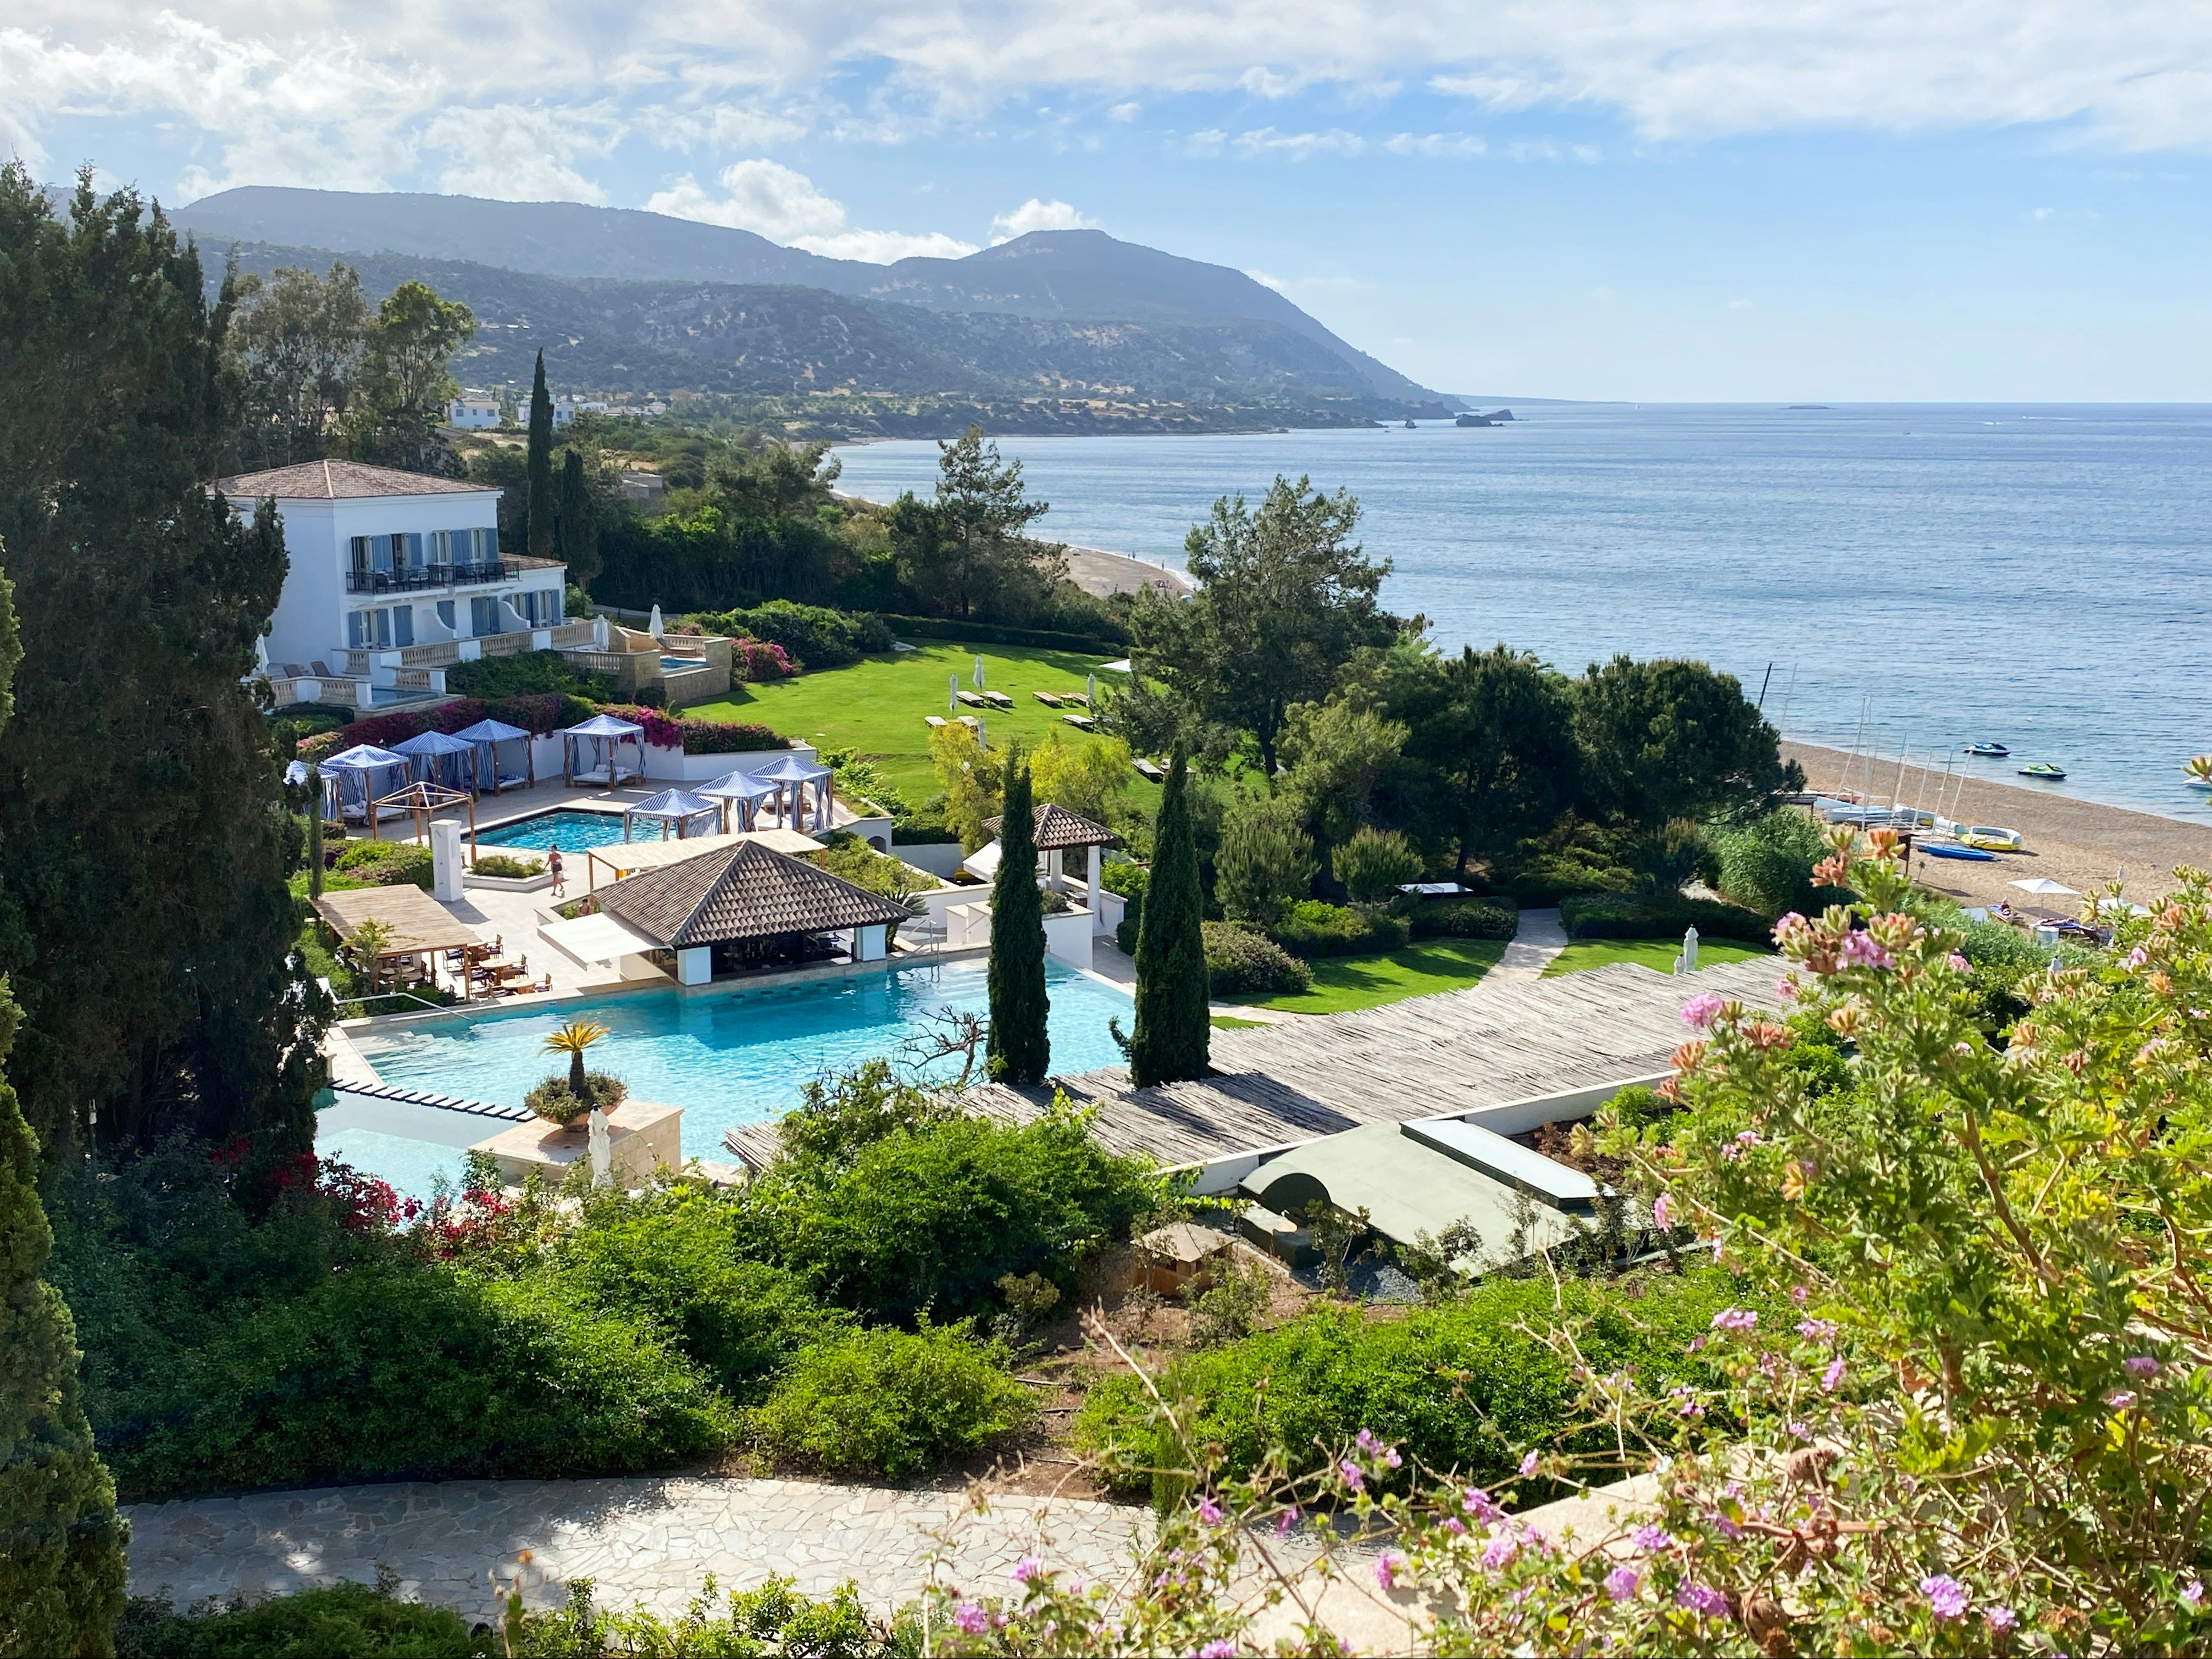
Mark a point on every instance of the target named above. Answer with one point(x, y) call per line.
point(602, 1149)
point(1690, 950)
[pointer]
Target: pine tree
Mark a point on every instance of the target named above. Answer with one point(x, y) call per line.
point(1020, 1045)
point(539, 506)
point(139, 798)
point(61, 1541)
point(579, 539)
point(1170, 1041)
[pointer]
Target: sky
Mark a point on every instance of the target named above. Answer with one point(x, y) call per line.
point(1661, 200)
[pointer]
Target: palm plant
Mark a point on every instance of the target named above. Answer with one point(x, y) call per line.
point(369, 942)
point(572, 1040)
point(2198, 768)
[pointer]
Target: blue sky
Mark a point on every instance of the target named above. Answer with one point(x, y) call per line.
point(1651, 199)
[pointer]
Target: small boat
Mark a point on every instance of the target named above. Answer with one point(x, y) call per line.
point(1988, 750)
point(2045, 770)
point(1990, 838)
point(1948, 849)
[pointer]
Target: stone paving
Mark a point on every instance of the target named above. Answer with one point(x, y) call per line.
point(643, 1541)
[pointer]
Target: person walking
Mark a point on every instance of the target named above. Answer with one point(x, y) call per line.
point(553, 864)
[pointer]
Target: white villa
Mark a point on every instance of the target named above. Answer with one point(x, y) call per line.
point(395, 576)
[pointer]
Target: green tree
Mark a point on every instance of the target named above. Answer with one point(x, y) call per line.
point(145, 917)
point(1671, 740)
point(971, 780)
point(1284, 599)
point(1337, 754)
point(1171, 1039)
point(967, 547)
point(405, 381)
point(1492, 736)
point(295, 347)
point(539, 509)
point(61, 1542)
point(1083, 774)
point(577, 544)
point(1265, 863)
point(1374, 864)
point(314, 793)
point(1020, 1046)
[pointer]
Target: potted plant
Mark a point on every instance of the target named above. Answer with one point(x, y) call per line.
point(563, 1100)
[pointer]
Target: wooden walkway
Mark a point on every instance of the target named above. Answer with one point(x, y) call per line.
point(1430, 1056)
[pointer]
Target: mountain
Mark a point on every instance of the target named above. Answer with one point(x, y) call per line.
point(1073, 275)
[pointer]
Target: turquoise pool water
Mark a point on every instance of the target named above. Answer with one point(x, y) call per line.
point(569, 830)
point(737, 1059)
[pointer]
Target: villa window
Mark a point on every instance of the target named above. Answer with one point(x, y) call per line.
point(484, 616)
point(487, 545)
point(383, 630)
point(380, 553)
point(357, 623)
point(403, 624)
point(446, 615)
point(441, 547)
point(361, 555)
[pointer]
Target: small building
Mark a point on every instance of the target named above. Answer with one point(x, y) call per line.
point(393, 576)
point(472, 412)
point(744, 909)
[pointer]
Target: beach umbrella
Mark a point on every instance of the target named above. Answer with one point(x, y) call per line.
point(654, 626)
point(952, 696)
point(982, 732)
point(2044, 885)
point(1091, 690)
point(979, 673)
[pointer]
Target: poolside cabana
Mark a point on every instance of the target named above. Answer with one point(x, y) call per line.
point(751, 908)
point(622, 859)
point(493, 772)
point(740, 795)
point(416, 925)
point(592, 752)
point(448, 762)
point(794, 778)
point(673, 810)
point(1057, 830)
point(352, 779)
point(423, 802)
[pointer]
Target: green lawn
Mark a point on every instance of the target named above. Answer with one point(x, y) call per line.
point(1657, 954)
point(1341, 983)
point(1223, 1022)
point(879, 706)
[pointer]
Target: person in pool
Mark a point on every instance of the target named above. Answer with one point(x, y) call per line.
point(553, 864)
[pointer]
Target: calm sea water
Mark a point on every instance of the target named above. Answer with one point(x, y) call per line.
point(2038, 575)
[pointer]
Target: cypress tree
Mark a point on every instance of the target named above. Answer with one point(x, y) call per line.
point(1171, 1039)
point(1020, 1046)
point(61, 1541)
point(145, 922)
point(539, 506)
point(579, 540)
point(314, 832)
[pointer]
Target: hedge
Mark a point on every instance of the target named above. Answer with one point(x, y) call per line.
point(534, 711)
point(1623, 915)
point(1313, 928)
point(1112, 636)
point(526, 672)
point(1239, 958)
point(816, 636)
point(1465, 918)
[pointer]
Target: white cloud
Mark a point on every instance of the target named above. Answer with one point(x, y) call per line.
point(1205, 144)
point(1266, 280)
point(773, 201)
point(1298, 146)
point(1128, 112)
point(1034, 214)
point(1435, 143)
point(514, 154)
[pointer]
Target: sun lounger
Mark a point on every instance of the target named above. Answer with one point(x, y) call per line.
point(970, 722)
point(933, 720)
point(998, 700)
point(1146, 770)
point(1081, 722)
point(321, 672)
point(1047, 699)
point(973, 699)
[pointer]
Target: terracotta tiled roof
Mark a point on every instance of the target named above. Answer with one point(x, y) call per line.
point(340, 481)
point(1057, 829)
point(751, 891)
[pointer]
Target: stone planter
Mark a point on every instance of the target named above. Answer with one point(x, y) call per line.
point(642, 1137)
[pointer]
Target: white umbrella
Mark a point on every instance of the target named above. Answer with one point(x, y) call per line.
point(1091, 690)
point(2044, 884)
point(654, 626)
point(952, 696)
point(982, 732)
point(1120, 667)
point(979, 673)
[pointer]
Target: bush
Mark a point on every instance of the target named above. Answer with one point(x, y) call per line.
point(1767, 865)
point(342, 1621)
point(1316, 929)
point(1241, 959)
point(1128, 880)
point(1265, 862)
point(1374, 864)
point(756, 661)
point(1109, 637)
point(388, 863)
point(554, 1102)
point(890, 1402)
point(813, 636)
point(1621, 915)
point(505, 867)
point(540, 712)
point(935, 1216)
point(729, 737)
point(527, 673)
point(1456, 1387)
point(1465, 918)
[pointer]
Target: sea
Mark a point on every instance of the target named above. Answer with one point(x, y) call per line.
point(1899, 579)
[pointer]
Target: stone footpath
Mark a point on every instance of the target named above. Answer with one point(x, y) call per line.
point(646, 1540)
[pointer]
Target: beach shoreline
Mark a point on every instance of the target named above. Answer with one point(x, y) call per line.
point(2084, 844)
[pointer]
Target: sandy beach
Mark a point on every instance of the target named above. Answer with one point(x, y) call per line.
point(2078, 842)
point(1095, 571)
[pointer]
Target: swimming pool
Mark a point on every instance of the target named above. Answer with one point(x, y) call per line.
point(742, 1058)
point(568, 829)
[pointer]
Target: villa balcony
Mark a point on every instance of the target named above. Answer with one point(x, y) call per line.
point(417, 578)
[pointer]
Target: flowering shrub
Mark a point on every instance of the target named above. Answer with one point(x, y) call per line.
point(729, 737)
point(1983, 1432)
point(760, 659)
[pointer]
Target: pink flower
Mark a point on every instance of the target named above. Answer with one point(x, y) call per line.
point(2139, 1366)
point(971, 1618)
point(2120, 1399)
point(1790, 927)
point(1662, 1211)
point(2137, 957)
point(1217, 1649)
point(2193, 1593)
point(1285, 1520)
point(1786, 987)
point(1454, 1525)
point(1528, 1463)
point(1387, 1566)
point(1648, 1539)
point(1686, 1405)
point(1368, 1443)
point(1702, 1599)
point(1864, 950)
point(1947, 1597)
point(1833, 1378)
point(1476, 1502)
point(1027, 1568)
point(1999, 1619)
point(1962, 964)
point(1209, 1512)
point(1500, 1550)
point(1735, 1319)
point(1801, 1294)
point(1622, 1582)
point(1702, 1009)
point(1353, 1478)
point(1817, 1330)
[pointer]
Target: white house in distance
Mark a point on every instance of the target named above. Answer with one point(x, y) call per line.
point(395, 577)
point(478, 411)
